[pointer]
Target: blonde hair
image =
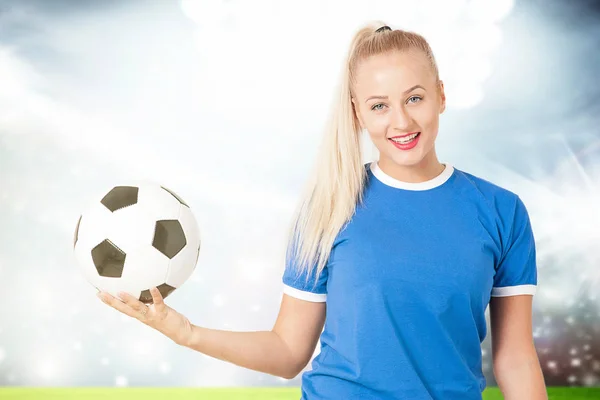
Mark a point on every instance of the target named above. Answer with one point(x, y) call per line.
point(338, 177)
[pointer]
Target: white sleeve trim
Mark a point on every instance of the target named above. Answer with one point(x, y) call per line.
point(303, 295)
point(513, 290)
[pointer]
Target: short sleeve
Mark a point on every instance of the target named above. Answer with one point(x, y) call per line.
point(516, 272)
point(297, 285)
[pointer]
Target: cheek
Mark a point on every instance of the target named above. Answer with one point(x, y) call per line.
point(378, 127)
point(378, 135)
point(429, 117)
point(431, 126)
point(380, 140)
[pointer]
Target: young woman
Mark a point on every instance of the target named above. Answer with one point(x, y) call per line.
point(397, 259)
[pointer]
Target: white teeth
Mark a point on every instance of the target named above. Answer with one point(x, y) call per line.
point(406, 139)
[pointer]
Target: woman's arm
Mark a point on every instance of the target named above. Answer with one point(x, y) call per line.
point(523, 379)
point(284, 351)
point(516, 365)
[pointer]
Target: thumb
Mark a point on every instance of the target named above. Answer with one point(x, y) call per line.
point(157, 298)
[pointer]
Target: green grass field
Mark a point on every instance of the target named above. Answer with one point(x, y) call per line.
point(492, 393)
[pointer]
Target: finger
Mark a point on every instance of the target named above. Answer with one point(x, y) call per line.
point(131, 301)
point(156, 297)
point(117, 304)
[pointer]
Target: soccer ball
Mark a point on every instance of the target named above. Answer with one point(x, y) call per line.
point(137, 236)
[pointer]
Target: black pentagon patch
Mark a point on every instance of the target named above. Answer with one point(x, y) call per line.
point(169, 238)
point(76, 232)
point(120, 197)
point(164, 289)
point(108, 259)
point(179, 199)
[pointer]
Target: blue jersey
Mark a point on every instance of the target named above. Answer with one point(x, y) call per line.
point(407, 284)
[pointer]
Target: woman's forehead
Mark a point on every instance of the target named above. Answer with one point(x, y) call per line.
point(382, 71)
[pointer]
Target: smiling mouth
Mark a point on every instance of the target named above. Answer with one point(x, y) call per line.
point(405, 139)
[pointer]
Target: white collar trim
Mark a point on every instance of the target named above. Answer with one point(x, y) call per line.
point(426, 185)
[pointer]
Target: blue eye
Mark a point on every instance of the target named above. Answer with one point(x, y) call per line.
point(374, 108)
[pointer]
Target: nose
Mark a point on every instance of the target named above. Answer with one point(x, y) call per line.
point(401, 119)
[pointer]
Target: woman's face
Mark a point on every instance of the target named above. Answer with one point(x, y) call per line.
point(395, 95)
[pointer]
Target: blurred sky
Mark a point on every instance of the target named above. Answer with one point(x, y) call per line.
point(224, 102)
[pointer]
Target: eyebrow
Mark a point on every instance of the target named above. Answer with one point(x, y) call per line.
point(405, 92)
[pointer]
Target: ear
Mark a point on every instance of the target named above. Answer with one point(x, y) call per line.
point(357, 114)
point(443, 97)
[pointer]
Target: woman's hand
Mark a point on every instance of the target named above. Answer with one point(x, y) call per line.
point(157, 315)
